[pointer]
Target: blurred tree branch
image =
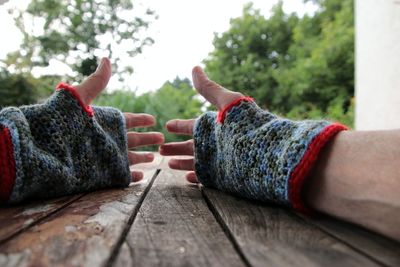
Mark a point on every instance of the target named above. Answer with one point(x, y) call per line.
point(76, 32)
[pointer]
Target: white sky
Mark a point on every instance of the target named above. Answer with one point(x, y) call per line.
point(183, 36)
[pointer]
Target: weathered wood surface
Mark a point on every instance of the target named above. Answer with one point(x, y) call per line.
point(379, 248)
point(16, 219)
point(174, 227)
point(84, 233)
point(165, 221)
point(270, 236)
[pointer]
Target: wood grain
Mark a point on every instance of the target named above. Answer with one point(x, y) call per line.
point(271, 236)
point(375, 246)
point(16, 219)
point(82, 234)
point(174, 227)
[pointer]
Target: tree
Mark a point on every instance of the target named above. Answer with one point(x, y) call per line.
point(16, 90)
point(321, 74)
point(24, 89)
point(297, 67)
point(73, 31)
point(246, 55)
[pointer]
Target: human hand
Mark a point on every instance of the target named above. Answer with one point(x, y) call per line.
point(89, 89)
point(216, 95)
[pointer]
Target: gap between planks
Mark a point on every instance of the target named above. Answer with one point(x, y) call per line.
point(175, 227)
point(118, 245)
point(359, 239)
point(225, 228)
point(27, 215)
point(80, 230)
point(24, 227)
point(271, 235)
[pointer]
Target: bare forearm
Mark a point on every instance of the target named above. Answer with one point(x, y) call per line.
point(358, 179)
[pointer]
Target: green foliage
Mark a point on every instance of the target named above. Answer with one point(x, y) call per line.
point(71, 31)
point(246, 55)
point(297, 67)
point(23, 89)
point(175, 99)
point(16, 90)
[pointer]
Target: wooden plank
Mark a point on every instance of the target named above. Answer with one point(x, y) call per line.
point(376, 246)
point(271, 236)
point(174, 227)
point(83, 234)
point(16, 219)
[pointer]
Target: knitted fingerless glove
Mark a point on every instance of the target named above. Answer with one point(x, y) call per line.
point(61, 147)
point(255, 154)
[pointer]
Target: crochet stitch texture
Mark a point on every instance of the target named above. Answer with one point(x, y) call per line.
point(62, 147)
point(257, 155)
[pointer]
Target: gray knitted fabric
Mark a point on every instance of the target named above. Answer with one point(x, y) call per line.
point(59, 149)
point(257, 155)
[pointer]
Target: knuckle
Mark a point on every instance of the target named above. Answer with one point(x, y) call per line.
point(99, 80)
point(133, 139)
point(131, 157)
point(141, 119)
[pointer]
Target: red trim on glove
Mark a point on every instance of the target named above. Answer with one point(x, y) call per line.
point(74, 93)
point(7, 165)
point(302, 170)
point(222, 112)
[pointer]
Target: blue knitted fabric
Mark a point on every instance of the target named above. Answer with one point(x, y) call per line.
point(59, 149)
point(253, 153)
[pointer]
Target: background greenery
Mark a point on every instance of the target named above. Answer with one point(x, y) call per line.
point(298, 67)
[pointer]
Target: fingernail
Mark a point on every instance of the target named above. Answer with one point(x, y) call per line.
point(200, 70)
point(100, 65)
point(102, 61)
point(172, 163)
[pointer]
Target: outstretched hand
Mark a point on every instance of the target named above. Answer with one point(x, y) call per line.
point(216, 95)
point(89, 89)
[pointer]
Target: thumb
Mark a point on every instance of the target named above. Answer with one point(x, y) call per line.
point(96, 82)
point(213, 92)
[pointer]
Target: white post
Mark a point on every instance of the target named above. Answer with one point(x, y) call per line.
point(377, 64)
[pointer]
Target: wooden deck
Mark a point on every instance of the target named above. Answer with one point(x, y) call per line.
point(164, 221)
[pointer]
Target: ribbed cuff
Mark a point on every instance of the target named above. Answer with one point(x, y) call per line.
point(302, 170)
point(222, 113)
point(74, 93)
point(7, 165)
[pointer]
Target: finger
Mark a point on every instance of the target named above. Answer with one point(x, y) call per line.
point(136, 157)
point(213, 92)
point(177, 148)
point(136, 176)
point(144, 139)
point(191, 177)
point(181, 164)
point(184, 127)
point(139, 120)
point(96, 82)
